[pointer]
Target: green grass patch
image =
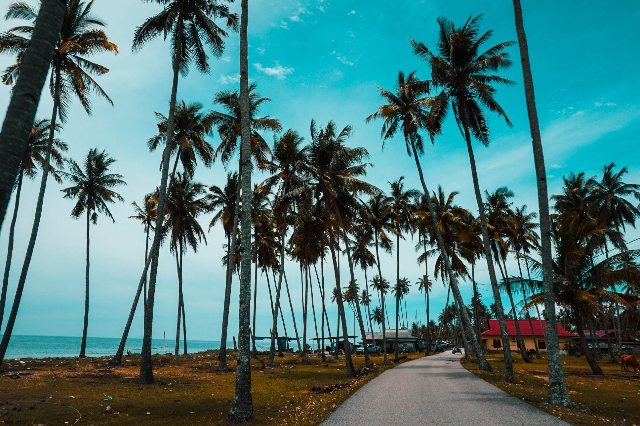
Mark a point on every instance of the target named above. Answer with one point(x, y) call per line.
point(187, 392)
point(612, 399)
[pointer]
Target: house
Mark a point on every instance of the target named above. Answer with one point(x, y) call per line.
point(492, 338)
point(406, 340)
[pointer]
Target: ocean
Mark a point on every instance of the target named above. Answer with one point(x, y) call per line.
point(65, 347)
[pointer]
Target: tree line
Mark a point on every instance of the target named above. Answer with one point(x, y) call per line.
point(315, 201)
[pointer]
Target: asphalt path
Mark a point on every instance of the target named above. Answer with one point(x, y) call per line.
point(435, 390)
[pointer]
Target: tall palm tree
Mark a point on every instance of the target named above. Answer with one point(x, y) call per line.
point(613, 209)
point(408, 108)
point(25, 98)
point(558, 393)
point(463, 73)
point(80, 37)
point(242, 409)
point(378, 216)
point(334, 171)
point(186, 202)
point(381, 285)
point(147, 215)
point(286, 173)
point(425, 285)
point(362, 256)
point(93, 185)
point(402, 213)
point(32, 159)
point(191, 26)
point(499, 219)
point(400, 289)
point(190, 128)
point(229, 124)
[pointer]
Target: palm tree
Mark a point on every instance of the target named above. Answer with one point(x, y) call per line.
point(190, 23)
point(242, 409)
point(408, 109)
point(190, 128)
point(229, 126)
point(362, 256)
point(425, 285)
point(32, 158)
point(334, 171)
point(25, 98)
point(378, 216)
point(186, 202)
point(381, 286)
point(92, 187)
point(499, 219)
point(79, 38)
point(402, 212)
point(557, 389)
point(146, 215)
point(613, 209)
point(399, 291)
point(463, 74)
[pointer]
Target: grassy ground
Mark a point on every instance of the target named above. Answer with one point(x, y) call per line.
point(613, 399)
point(69, 391)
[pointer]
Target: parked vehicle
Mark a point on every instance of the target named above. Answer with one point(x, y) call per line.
point(626, 350)
point(372, 349)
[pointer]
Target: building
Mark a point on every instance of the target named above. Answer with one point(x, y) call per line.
point(406, 341)
point(492, 338)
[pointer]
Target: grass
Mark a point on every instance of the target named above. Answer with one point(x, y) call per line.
point(612, 399)
point(190, 391)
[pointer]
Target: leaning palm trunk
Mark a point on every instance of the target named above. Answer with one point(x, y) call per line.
point(255, 303)
point(313, 304)
point(274, 327)
point(606, 327)
point(242, 409)
point(384, 334)
point(341, 312)
point(6, 337)
point(293, 316)
point(595, 368)
point(523, 349)
point(453, 283)
point(358, 311)
point(366, 289)
point(231, 253)
point(21, 112)
point(146, 369)
point(83, 344)
point(509, 377)
point(524, 296)
point(7, 267)
point(557, 389)
point(176, 354)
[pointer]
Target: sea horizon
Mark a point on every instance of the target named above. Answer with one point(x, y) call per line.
point(40, 346)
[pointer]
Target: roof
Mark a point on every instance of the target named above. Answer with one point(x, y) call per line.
point(494, 328)
point(391, 334)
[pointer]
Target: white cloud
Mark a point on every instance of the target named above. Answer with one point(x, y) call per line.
point(342, 58)
point(353, 12)
point(284, 25)
point(260, 50)
point(226, 58)
point(609, 104)
point(229, 79)
point(295, 17)
point(277, 71)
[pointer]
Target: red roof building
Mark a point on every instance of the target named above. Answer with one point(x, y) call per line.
point(491, 339)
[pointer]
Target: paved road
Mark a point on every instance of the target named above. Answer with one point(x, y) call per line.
point(435, 390)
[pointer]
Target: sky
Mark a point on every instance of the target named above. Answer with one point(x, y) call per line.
point(321, 60)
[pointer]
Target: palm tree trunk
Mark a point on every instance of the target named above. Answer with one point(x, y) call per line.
point(358, 311)
point(486, 242)
point(231, 250)
point(595, 368)
point(446, 305)
point(397, 297)
point(7, 266)
point(384, 334)
point(146, 369)
point(482, 362)
point(523, 348)
point(255, 302)
point(293, 316)
point(176, 355)
point(366, 289)
point(395, 358)
point(274, 326)
point(524, 297)
point(83, 343)
point(476, 300)
point(557, 389)
point(6, 337)
point(313, 305)
point(146, 255)
point(341, 312)
point(18, 121)
point(324, 309)
point(242, 409)
point(305, 309)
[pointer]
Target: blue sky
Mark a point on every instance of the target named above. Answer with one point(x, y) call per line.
point(321, 59)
